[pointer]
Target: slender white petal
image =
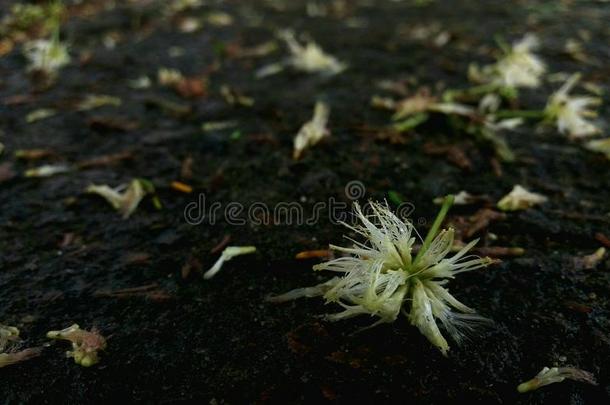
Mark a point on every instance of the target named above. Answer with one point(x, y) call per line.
point(227, 254)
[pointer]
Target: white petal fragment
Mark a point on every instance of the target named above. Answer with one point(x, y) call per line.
point(311, 58)
point(227, 254)
point(312, 131)
point(124, 198)
point(520, 199)
point(48, 170)
point(554, 375)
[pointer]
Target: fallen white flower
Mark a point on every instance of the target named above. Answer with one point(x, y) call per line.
point(519, 67)
point(311, 58)
point(520, 199)
point(227, 254)
point(383, 278)
point(312, 131)
point(124, 198)
point(571, 112)
point(554, 375)
point(47, 56)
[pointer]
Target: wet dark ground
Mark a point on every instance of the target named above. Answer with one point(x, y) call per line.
point(183, 339)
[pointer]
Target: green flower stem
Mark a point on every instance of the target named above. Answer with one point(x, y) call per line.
point(447, 203)
point(502, 44)
point(411, 122)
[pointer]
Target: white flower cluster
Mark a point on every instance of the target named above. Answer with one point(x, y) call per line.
point(382, 276)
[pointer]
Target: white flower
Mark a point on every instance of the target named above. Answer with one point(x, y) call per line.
point(311, 58)
point(382, 276)
point(519, 67)
point(226, 255)
point(312, 131)
point(520, 199)
point(47, 56)
point(554, 375)
point(571, 112)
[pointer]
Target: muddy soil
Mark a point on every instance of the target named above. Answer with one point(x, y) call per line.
point(66, 257)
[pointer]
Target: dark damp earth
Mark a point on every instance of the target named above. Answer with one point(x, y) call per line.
point(66, 257)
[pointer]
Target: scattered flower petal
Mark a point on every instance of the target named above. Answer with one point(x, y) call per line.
point(8, 359)
point(591, 261)
point(142, 82)
point(169, 77)
point(124, 198)
point(7, 334)
point(312, 131)
point(311, 58)
point(599, 145)
point(227, 254)
point(554, 375)
point(461, 198)
point(93, 101)
point(520, 199)
point(48, 170)
point(85, 344)
point(39, 114)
